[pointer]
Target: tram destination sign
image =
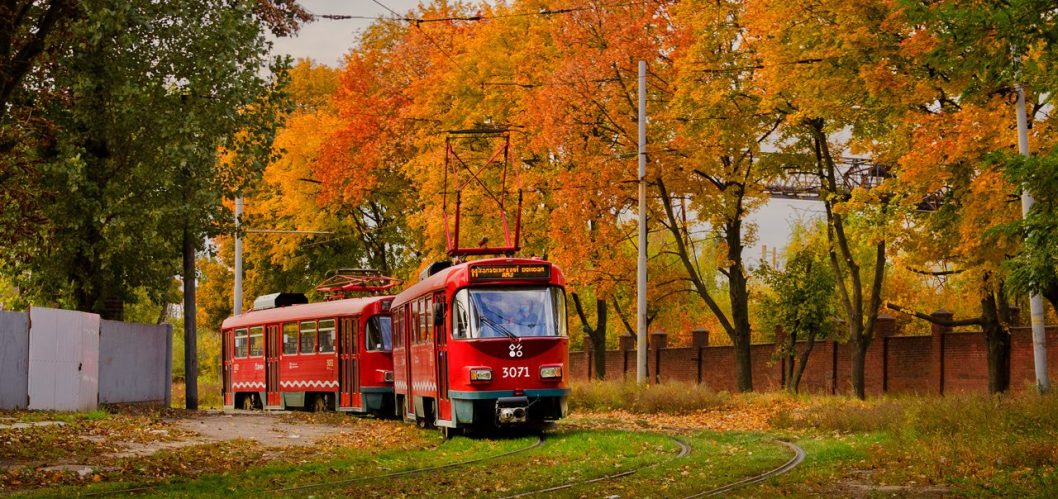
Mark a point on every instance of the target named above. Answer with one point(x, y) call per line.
point(513, 271)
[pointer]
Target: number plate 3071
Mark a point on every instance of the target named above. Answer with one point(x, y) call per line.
point(515, 372)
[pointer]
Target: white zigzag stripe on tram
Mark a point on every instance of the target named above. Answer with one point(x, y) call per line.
point(309, 384)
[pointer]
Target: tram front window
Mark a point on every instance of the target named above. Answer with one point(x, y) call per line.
point(380, 334)
point(507, 312)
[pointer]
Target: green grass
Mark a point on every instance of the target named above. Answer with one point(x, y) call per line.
point(956, 445)
point(716, 459)
point(567, 456)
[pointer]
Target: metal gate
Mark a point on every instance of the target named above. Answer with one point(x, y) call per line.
point(63, 360)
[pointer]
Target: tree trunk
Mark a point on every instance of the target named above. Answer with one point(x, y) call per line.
point(804, 362)
point(862, 313)
point(598, 339)
point(190, 338)
point(736, 324)
point(791, 360)
point(597, 335)
point(998, 340)
point(738, 292)
point(743, 365)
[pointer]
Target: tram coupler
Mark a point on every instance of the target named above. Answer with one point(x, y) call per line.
point(510, 410)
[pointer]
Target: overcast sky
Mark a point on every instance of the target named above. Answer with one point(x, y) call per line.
point(326, 41)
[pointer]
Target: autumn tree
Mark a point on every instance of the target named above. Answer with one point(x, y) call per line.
point(800, 302)
point(816, 65)
point(956, 127)
point(1034, 269)
point(721, 126)
point(137, 153)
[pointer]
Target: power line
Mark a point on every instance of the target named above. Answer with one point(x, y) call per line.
point(751, 67)
point(418, 25)
point(544, 12)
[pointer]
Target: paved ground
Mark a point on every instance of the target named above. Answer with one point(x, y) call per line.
point(268, 429)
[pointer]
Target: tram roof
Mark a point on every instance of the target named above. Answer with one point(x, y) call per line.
point(460, 272)
point(336, 308)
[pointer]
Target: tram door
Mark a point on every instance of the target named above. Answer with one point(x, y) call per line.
point(347, 368)
point(226, 349)
point(410, 322)
point(272, 349)
point(444, 404)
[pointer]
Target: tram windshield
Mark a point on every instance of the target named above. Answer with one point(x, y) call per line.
point(509, 312)
point(380, 333)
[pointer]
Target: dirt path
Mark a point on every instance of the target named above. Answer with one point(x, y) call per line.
point(270, 430)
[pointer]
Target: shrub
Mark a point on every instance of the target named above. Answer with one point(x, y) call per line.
point(669, 397)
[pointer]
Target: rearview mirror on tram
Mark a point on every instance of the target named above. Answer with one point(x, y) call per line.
point(438, 313)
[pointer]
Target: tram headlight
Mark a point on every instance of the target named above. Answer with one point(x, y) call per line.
point(387, 376)
point(551, 372)
point(480, 374)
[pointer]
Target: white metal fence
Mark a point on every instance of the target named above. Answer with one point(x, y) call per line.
point(65, 360)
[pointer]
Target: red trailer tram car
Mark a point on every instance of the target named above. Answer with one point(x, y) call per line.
point(482, 344)
point(333, 355)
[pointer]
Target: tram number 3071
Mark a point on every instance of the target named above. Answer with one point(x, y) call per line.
point(515, 372)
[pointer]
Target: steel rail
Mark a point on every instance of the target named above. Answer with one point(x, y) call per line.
point(685, 449)
point(799, 456)
point(147, 488)
point(538, 443)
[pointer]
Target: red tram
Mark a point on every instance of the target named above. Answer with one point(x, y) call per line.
point(482, 344)
point(333, 355)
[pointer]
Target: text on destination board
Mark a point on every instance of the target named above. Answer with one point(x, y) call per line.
point(514, 271)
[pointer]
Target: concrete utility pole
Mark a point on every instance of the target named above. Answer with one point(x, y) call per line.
point(237, 295)
point(237, 306)
point(641, 270)
point(1039, 334)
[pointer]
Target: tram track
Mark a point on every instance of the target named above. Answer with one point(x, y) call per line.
point(799, 456)
point(793, 462)
point(148, 488)
point(685, 450)
point(539, 442)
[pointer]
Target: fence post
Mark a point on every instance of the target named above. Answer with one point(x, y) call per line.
point(833, 367)
point(588, 351)
point(659, 340)
point(884, 327)
point(626, 343)
point(700, 340)
point(937, 354)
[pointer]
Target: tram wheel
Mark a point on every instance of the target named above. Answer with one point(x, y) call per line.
point(247, 402)
point(320, 403)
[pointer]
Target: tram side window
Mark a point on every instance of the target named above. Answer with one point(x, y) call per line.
point(415, 324)
point(256, 341)
point(308, 337)
point(460, 315)
point(290, 338)
point(427, 318)
point(327, 336)
point(240, 344)
point(379, 334)
point(423, 331)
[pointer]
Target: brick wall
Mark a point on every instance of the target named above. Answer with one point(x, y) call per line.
point(942, 362)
